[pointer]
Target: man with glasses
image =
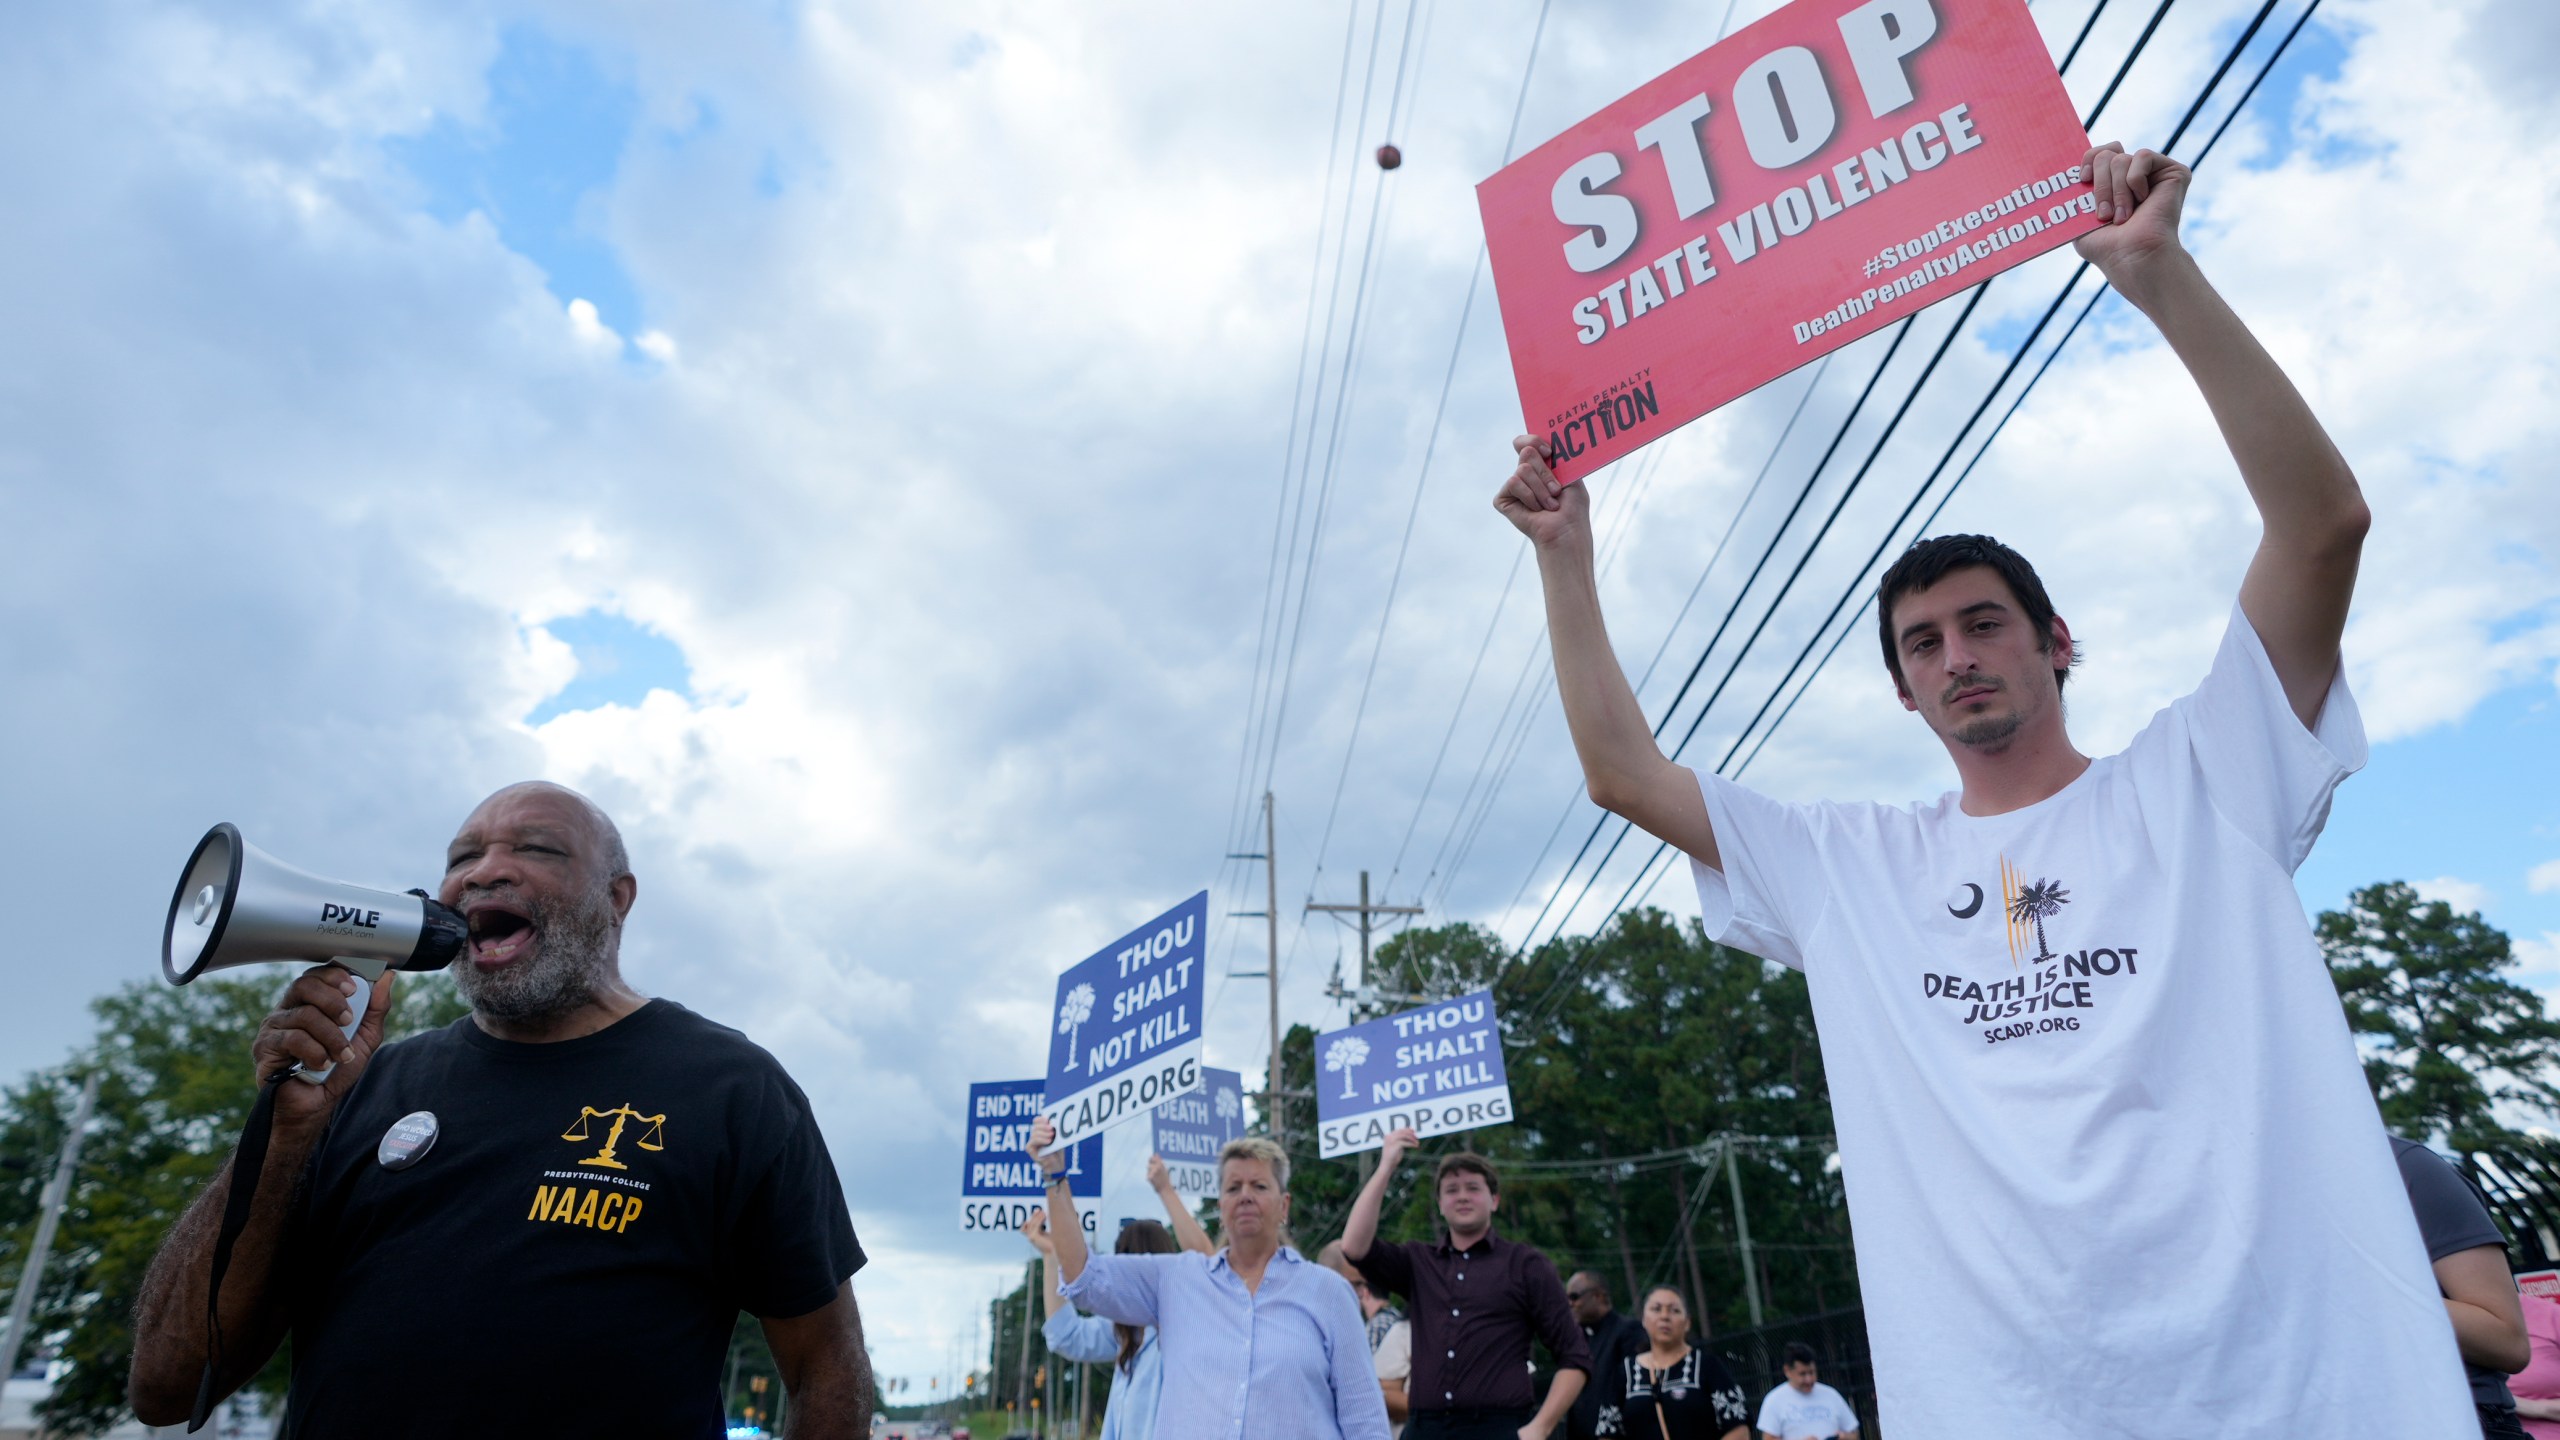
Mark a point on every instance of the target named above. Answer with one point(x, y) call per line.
point(1614, 1335)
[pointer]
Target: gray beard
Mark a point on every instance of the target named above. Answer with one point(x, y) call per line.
point(575, 959)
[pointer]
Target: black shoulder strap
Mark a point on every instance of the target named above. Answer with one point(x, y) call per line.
point(248, 1159)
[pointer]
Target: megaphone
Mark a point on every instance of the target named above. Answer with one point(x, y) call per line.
point(237, 905)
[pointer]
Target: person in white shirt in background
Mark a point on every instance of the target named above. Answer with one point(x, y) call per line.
point(1804, 1408)
point(1390, 1334)
point(2099, 1111)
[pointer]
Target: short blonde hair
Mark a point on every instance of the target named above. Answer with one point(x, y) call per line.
point(1254, 1147)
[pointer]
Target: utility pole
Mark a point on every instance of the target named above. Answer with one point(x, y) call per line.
point(1270, 972)
point(56, 1193)
point(1742, 1232)
point(1022, 1371)
point(1366, 1000)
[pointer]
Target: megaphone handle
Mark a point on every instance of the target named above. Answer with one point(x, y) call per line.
point(356, 1004)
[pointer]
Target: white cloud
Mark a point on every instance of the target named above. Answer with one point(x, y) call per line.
point(2544, 878)
point(2537, 960)
point(2463, 895)
point(959, 501)
point(590, 331)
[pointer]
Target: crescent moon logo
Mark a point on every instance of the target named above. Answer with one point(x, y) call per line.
point(1971, 907)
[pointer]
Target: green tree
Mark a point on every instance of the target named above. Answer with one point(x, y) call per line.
point(1644, 1040)
point(2447, 1037)
point(173, 1087)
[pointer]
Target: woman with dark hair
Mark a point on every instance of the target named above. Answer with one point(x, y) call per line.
point(1676, 1391)
point(1091, 1340)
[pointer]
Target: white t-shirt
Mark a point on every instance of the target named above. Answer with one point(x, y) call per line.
point(2109, 1154)
point(1790, 1415)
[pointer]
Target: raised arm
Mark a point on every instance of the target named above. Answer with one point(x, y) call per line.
point(1360, 1230)
point(2313, 517)
point(1186, 1226)
point(1035, 1228)
point(1066, 1228)
point(1622, 767)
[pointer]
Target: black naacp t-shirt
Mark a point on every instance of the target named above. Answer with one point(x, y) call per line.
point(571, 1253)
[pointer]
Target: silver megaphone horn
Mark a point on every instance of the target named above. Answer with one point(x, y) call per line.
point(237, 905)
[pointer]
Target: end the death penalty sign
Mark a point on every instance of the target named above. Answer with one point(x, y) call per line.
point(1819, 175)
point(1127, 1037)
point(1000, 1184)
point(1191, 1130)
point(1437, 1069)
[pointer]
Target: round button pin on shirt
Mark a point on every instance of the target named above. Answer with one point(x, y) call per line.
point(410, 1136)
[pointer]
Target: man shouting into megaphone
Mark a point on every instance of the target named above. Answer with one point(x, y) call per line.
point(542, 1219)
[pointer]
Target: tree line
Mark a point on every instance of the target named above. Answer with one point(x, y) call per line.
point(1629, 1053)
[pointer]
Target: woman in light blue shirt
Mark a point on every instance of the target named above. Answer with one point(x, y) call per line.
point(1131, 1350)
point(1258, 1342)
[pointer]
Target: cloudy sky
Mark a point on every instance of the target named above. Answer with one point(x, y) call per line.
point(924, 467)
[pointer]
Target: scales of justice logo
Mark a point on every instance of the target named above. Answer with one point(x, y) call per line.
point(653, 1139)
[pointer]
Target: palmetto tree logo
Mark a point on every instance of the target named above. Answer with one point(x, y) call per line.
point(1230, 1105)
point(1073, 1011)
point(2035, 904)
point(1342, 1055)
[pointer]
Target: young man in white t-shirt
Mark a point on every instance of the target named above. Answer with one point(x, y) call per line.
point(2110, 1158)
point(1804, 1408)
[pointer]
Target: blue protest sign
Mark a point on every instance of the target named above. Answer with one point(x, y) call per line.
point(1437, 1069)
point(1127, 1036)
point(1000, 1185)
point(1191, 1130)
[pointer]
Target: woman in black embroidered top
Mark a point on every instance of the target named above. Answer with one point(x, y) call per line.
point(1676, 1391)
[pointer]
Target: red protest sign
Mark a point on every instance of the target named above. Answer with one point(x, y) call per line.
point(1817, 176)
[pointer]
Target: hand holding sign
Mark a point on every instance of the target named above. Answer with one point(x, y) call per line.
point(1539, 506)
point(1035, 1228)
point(1399, 1140)
point(2140, 197)
point(1043, 1135)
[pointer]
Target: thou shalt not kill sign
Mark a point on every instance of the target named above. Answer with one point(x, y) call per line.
point(1127, 1036)
point(1437, 1069)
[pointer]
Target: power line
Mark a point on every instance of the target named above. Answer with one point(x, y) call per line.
point(1672, 630)
point(1519, 105)
point(1537, 1011)
point(1271, 586)
point(1734, 665)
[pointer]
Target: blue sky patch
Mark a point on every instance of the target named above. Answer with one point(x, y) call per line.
point(2316, 54)
point(552, 141)
point(619, 663)
point(2478, 800)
